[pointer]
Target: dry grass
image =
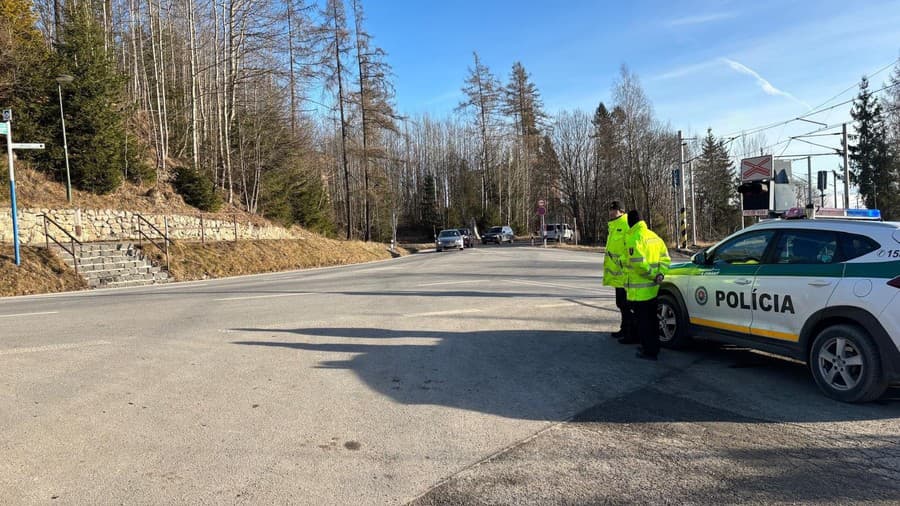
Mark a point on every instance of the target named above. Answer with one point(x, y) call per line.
point(191, 261)
point(36, 190)
point(40, 272)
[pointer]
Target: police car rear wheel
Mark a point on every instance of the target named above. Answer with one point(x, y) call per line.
point(844, 362)
point(671, 323)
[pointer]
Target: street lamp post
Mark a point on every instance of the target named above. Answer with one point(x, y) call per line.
point(61, 80)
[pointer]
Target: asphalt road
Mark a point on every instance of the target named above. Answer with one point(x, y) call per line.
point(477, 377)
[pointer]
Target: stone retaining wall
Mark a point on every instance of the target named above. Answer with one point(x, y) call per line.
point(113, 225)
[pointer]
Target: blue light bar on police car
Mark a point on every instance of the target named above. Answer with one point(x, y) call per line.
point(872, 214)
point(849, 214)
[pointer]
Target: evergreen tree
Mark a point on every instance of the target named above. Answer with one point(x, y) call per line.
point(430, 217)
point(870, 158)
point(24, 72)
point(94, 124)
point(197, 190)
point(715, 189)
point(310, 206)
point(892, 110)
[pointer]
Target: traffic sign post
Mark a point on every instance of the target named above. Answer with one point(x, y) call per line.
point(542, 211)
point(6, 129)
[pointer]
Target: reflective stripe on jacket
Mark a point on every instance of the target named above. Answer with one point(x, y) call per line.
point(647, 258)
point(613, 260)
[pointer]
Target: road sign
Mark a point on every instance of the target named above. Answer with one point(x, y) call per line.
point(756, 212)
point(754, 169)
point(541, 211)
point(541, 203)
point(4, 128)
point(28, 145)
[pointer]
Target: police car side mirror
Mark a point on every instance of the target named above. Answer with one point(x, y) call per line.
point(699, 258)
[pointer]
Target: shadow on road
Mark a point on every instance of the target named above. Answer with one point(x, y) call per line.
point(550, 374)
point(752, 463)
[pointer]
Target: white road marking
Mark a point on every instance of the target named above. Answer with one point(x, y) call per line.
point(52, 347)
point(165, 286)
point(555, 285)
point(560, 304)
point(27, 314)
point(441, 313)
point(264, 296)
point(452, 282)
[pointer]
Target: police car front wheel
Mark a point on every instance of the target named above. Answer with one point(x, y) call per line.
point(845, 364)
point(672, 332)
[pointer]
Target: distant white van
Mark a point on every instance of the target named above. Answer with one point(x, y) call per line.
point(559, 232)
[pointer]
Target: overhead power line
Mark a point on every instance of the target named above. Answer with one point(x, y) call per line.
point(816, 110)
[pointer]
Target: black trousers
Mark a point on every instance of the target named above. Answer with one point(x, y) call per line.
point(622, 304)
point(646, 325)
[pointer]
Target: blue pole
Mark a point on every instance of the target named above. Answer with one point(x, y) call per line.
point(12, 192)
point(15, 221)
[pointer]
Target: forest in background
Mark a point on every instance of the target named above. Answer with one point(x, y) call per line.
point(287, 109)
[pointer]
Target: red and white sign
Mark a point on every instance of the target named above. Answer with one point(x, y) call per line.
point(541, 203)
point(754, 169)
point(541, 211)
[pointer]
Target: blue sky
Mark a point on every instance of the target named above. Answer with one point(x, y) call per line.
point(723, 64)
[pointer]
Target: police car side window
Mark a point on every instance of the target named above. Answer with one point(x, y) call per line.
point(747, 249)
point(854, 245)
point(806, 247)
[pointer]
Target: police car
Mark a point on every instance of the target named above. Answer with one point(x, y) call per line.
point(825, 292)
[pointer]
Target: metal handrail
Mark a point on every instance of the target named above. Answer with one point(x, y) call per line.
point(164, 235)
point(72, 240)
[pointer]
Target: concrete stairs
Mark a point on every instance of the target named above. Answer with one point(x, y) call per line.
point(111, 265)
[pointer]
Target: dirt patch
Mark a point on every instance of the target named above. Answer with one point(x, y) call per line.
point(40, 272)
point(191, 261)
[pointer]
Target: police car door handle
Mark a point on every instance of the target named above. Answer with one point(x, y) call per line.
point(819, 282)
point(743, 281)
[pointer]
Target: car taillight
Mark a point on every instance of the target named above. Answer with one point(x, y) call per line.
point(895, 282)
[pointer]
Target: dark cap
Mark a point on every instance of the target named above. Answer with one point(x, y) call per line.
point(615, 205)
point(634, 216)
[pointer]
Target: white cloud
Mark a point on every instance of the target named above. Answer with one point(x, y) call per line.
point(684, 70)
point(766, 86)
point(700, 19)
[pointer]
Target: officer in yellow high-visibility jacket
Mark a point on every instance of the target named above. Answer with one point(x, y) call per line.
point(613, 268)
point(647, 263)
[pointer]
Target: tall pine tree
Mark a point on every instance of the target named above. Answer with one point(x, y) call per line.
point(716, 190)
point(24, 75)
point(870, 158)
point(94, 124)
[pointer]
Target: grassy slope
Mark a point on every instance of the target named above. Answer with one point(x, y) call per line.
point(191, 261)
point(40, 272)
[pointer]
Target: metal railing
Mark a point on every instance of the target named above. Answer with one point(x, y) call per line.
point(72, 240)
point(164, 235)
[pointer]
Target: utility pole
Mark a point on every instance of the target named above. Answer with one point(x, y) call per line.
point(846, 167)
point(693, 205)
point(681, 179)
point(809, 193)
point(835, 188)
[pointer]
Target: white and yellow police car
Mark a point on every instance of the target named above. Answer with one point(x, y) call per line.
point(826, 292)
